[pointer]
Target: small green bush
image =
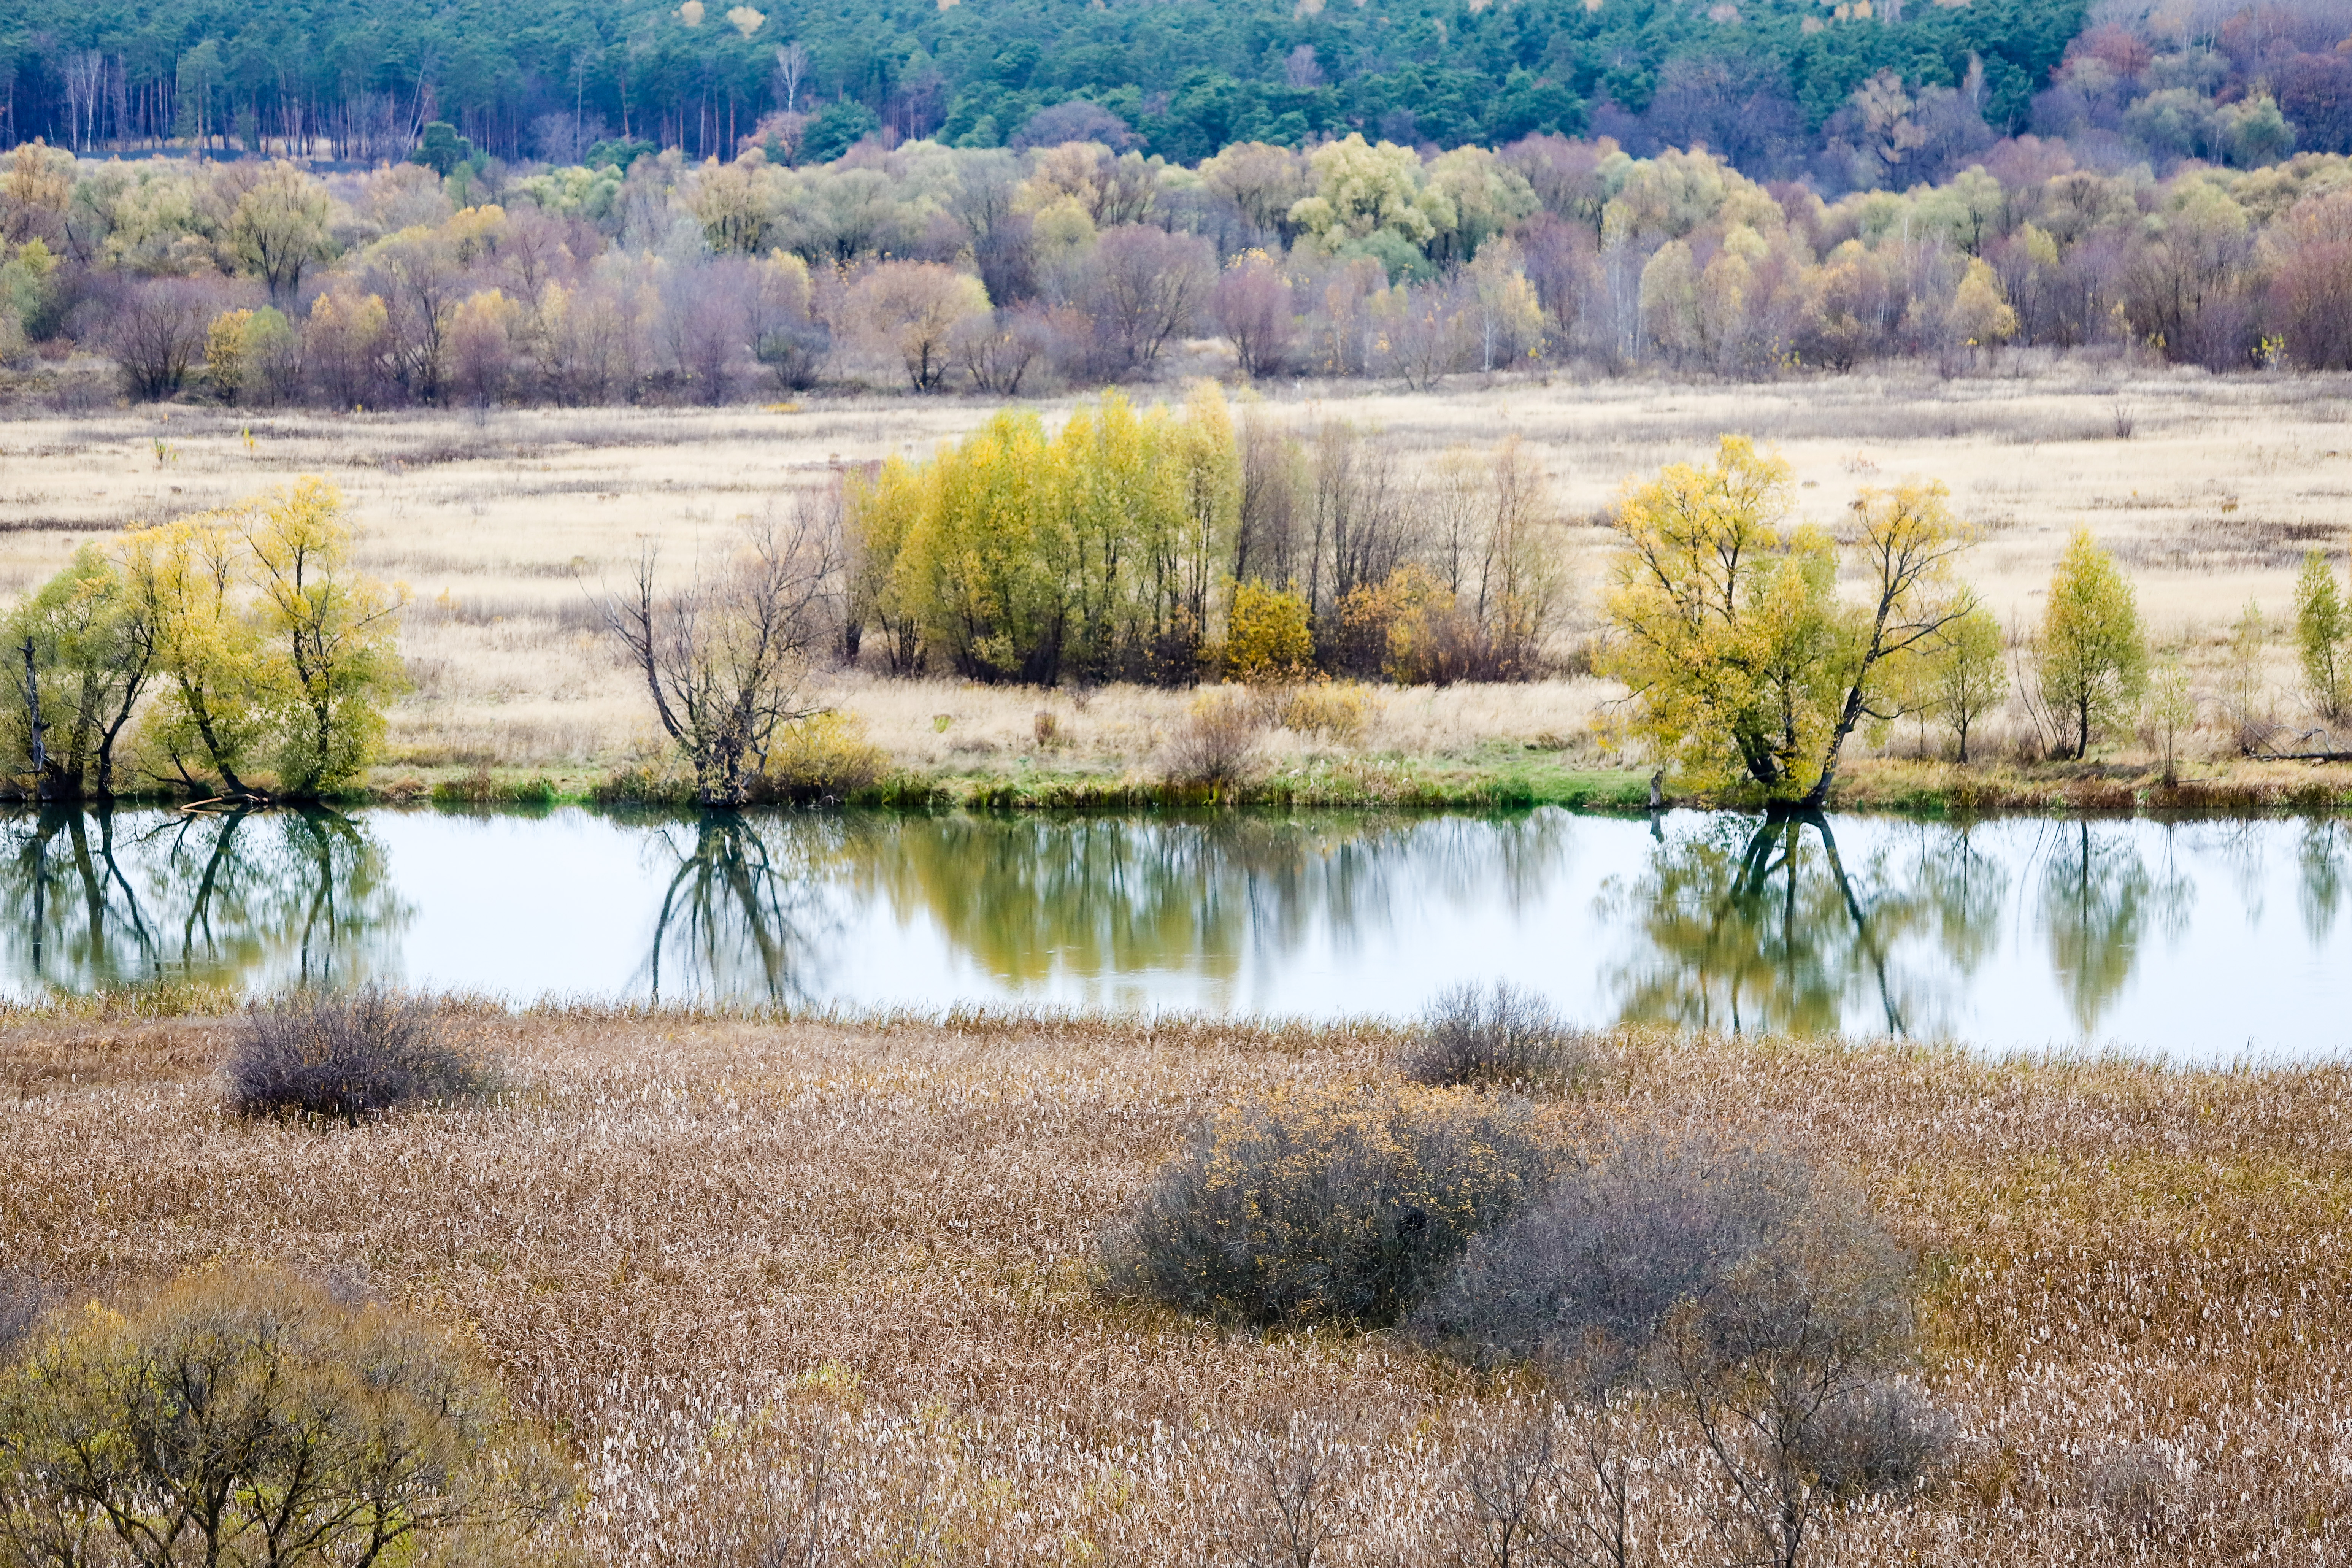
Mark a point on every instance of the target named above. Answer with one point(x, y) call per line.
point(1334, 1207)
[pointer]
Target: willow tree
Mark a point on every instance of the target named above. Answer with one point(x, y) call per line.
point(82, 650)
point(324, 635)
point(726, 658)
point(268, 644)
point(1018, 555)
point(184, 576)
point(1744, 660)
point(2091, 653)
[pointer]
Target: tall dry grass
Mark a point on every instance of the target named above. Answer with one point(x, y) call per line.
point(760, 1274)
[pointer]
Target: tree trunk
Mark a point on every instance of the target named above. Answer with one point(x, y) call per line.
point(40, 748)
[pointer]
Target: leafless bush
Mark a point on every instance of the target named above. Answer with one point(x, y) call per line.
point(1879, 1439)
point(1506, 1036)
point(1281, 1503)
point(1218, 742)
point(347, 1058)
point(1559, 1488)
point(1605, 1258)
point(1339, 1207)
point(1754, 1289)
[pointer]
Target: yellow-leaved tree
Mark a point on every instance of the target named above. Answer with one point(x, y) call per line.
point(324, 632)
point(185, 576)
point(1018, 555)
point(267, 641)
point(1744, 660)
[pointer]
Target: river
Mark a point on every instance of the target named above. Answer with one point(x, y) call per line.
point(2204, 939)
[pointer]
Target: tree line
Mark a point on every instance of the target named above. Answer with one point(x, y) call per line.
point(1074, 266)
point(1182, 80)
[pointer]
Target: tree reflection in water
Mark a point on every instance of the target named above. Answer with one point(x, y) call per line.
point(1749, 925)
point(99, 899)
point(2098, 899)
point(2320, 892)
point(1030, 897)
point(743, 907)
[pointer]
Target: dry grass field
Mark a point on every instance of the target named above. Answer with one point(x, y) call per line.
point(702, 1250)
point(504, 524)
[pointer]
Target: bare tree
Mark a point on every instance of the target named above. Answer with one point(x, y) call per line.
point(1251, 304)
point(725, 658)
point(792, 69)
point(1148, 286)
point(156, 333)
point(916, 308)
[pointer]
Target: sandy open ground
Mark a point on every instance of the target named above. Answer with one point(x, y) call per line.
point(506, 523)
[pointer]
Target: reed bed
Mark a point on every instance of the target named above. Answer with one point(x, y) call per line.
point(761, 1276)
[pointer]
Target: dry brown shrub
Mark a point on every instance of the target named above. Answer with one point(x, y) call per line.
point(1218, 742)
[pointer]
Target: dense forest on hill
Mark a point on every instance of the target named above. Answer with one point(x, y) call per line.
point(1761, 80)
point(2180, 184)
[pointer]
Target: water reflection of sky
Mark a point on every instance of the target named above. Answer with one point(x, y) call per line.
point(2203, 940)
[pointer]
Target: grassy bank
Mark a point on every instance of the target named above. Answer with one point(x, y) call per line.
point(1494, 778)
point(2138, 1280)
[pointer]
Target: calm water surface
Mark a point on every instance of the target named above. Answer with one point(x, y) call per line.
point(2205, 939)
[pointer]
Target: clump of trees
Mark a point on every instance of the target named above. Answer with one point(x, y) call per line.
point(1075, 259)
point(217, 644)
point(1161, 544)
point(1750, 668)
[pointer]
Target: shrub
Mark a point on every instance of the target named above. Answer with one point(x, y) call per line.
point(346, 1057)
point(1217, 743)
point(824, 754)
point(1506, 1036)
point(1756, 1290)
point(1269, 637)
point(1335, 1207)
point(1334, 712)
point(1877, 1439)
point(234, 1409)
point(1719, 1240)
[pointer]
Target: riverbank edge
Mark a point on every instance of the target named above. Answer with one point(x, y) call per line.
point(1293, 1035)
point(1439, 784)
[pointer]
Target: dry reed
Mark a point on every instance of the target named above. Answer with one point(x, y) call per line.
point(739, 1264)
